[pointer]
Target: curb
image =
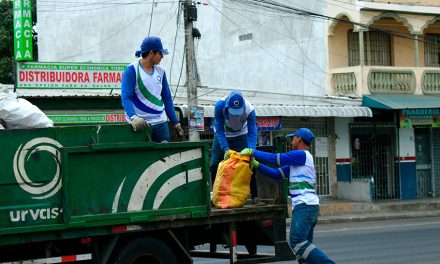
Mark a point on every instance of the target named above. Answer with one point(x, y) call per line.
point(371, 217)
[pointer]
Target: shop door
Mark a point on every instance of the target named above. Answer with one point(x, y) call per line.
point(373, 157)
point(423, 162)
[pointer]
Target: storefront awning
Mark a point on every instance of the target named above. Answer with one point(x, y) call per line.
point(400, 101)
point(301, 111)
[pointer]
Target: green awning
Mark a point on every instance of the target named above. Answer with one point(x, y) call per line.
point(400, 101)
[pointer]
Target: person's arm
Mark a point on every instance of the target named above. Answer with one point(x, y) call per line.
point(127, 90)
point(219, 123)
point(294, 157)
point(252, 130)
point(168, 101)
point(274, 173)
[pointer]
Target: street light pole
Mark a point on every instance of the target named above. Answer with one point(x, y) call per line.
point(190, 15)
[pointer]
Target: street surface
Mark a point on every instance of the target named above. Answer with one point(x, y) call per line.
point(412, 241)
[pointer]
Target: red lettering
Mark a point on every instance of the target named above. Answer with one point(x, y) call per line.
point(22, 76)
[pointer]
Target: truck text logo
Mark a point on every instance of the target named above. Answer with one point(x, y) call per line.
point(35, 214)
point(38, 190)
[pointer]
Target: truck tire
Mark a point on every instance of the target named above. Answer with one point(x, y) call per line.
point(146, 250)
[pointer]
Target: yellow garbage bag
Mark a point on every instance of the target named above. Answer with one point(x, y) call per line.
point(232, 182)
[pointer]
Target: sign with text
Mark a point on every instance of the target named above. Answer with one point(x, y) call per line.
point(420, 116)
point(22, 30)
point(269, 122)
point(58, 75)
point(98, 118)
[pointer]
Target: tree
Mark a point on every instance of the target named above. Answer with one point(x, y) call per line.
point(7, 40)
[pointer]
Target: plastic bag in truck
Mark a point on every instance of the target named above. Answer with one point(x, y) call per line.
point(20, 113)
point(232, 182)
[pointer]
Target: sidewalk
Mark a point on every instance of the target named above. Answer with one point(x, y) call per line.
point(342, 211)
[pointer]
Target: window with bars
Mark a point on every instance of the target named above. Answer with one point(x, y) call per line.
point(432, 50)
point(377, 48)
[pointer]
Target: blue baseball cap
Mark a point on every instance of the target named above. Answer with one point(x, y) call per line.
point(235, 103)
point(305, 134)
point(151, 44)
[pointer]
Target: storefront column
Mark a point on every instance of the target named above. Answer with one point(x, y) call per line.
point(332, 156)
point(416, 50)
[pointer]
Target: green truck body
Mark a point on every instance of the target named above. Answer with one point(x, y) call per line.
point(97, 189)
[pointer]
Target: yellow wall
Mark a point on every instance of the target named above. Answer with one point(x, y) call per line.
point(338, 46)
point(402, 48)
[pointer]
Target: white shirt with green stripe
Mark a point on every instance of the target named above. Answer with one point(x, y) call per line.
point(299, 167)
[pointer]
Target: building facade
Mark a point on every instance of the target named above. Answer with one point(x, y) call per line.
point(387, 53)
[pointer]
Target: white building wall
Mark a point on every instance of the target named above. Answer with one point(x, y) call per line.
point(342, 138)
point(287, 54)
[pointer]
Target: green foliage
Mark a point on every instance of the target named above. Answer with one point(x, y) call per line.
point(7, 40)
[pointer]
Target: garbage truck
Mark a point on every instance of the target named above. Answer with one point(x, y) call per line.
point(106, 194)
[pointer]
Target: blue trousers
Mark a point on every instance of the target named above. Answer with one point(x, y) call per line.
point(217, 154)
point(160, 132)
point(304, 218)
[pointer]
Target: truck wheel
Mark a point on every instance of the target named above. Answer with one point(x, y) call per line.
point(146, 250)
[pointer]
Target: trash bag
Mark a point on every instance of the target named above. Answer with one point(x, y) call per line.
point(20, 113)
point(232, 182)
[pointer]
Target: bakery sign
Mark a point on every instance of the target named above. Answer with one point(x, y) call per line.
point(60, 75)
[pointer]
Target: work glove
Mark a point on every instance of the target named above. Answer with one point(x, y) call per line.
point(179, 130)
point(247, 152)
point(254, 164)
point(138, 123)
point(227, 154)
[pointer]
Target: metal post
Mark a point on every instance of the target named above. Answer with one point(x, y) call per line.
point(191, 67)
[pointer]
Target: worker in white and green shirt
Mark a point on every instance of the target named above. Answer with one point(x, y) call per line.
point(145, 93)
point(298, 166)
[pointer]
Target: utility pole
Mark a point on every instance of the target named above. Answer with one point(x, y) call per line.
point(190, 15)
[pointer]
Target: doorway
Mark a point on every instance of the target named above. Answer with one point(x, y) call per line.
point(422, 139)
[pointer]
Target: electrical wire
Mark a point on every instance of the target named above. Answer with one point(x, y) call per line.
point(151, 18)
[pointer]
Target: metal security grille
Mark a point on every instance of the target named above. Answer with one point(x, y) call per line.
point(423, 162)
point(319, 128)
point(377, 47)
point(372, 154)
point(436, 160)
point(432, 50)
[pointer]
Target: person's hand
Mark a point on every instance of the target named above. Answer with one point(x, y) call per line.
point(138, 123)
point(179, 130)
point(254, 164)
point(247, 152)
point(227, 154)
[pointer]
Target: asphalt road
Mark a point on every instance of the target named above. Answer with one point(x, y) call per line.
point(412, 241)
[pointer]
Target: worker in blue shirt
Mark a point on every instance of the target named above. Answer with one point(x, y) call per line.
point(235, 128)
point(298, 166)
point(145, 94)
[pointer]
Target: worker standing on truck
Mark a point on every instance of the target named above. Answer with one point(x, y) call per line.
point(298, 166)
point(235, 128)
point(146, 96)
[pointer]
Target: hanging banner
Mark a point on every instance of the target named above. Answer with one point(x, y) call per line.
point(420, 116)
point(22, 30)
point(57, 75)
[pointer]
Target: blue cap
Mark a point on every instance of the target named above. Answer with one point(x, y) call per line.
point(235, 103)
point(151, 44)
point(305, 134)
